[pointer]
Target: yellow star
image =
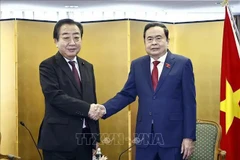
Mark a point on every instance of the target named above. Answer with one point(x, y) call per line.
point(230, 105)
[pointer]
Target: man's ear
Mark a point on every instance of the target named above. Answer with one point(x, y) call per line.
point(56, 42)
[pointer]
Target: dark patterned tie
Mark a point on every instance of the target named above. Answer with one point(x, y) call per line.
point(75, 73)
point(77, 78)
point(155, 74)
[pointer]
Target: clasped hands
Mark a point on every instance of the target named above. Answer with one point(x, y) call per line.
point(96, 111)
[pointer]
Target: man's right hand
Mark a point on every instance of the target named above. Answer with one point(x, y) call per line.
point(96, 111)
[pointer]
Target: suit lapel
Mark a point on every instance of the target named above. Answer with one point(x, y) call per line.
point(65, 67)
point(146, 70)
point(167, 66)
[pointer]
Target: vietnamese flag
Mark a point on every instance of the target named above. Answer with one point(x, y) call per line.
point(230, 90)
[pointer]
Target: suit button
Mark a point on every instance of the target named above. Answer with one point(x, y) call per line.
point(150, 113)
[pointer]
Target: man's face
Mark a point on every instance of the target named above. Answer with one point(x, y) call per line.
point(156, 43)
point(69, 42)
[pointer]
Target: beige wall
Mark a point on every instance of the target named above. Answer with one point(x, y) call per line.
point(105, 46)
point(35, 43)
point(110, 47)
point(8, 89)
point(202, 43)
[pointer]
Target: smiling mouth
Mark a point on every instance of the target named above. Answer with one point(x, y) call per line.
point(71, 50)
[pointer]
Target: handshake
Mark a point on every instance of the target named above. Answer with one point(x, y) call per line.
point(96, 111)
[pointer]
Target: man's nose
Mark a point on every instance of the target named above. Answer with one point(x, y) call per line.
point(154, 41)
point(72, 41)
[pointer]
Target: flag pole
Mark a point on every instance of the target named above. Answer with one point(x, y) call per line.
point(225, 3)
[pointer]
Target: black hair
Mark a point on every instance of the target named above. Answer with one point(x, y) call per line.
point(154, 24)
point(61, 22)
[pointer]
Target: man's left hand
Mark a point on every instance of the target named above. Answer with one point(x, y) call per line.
point(187, 148)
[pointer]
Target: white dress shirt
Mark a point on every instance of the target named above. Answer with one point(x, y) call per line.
point(159, 66)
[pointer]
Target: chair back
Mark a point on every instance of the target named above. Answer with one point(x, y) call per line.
point(208, 134)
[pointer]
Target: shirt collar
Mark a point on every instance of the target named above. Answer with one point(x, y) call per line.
point(161, 59)
point(74, 59)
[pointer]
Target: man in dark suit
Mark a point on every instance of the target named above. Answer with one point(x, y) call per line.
point(68, 85)
point(164, 83)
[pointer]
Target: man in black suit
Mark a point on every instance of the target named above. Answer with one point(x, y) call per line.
point(68, 85)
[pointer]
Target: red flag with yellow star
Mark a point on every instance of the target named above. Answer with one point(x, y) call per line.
point(230, 90)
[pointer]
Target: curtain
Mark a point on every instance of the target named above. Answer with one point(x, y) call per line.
point(237, 21)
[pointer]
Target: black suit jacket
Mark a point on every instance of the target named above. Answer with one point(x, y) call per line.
point(66, 104)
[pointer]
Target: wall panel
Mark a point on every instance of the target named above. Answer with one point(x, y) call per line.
point(105, 46)
point(8, 89)
point(35, 43)
point(202, 43)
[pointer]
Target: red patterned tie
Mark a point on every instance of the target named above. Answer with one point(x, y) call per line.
point(155, 74)
point(75, 73)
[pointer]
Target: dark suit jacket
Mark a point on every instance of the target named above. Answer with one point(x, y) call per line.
point(65, 104)
point(172, 106)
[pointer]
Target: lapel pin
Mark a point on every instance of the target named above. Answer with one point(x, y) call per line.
point(167, 65)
